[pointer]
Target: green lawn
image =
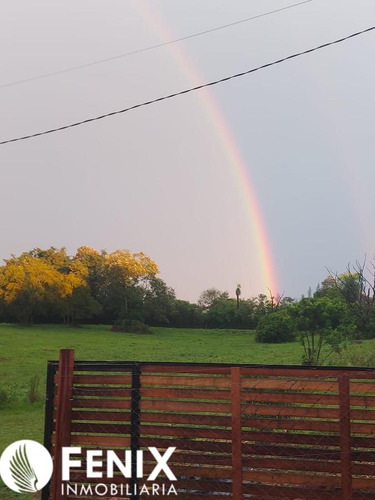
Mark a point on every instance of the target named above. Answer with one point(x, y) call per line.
point(24, 353)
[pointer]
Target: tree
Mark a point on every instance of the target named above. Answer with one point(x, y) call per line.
point(79, 305)
point(276, 327)
point(122, 271)
point(186, 315)
point(208, 297)
point(357, 288)
point(94, 263)
point(29, 283)
point(158, 302)
point(238, 294)
point(221, 314)
point(324, 325)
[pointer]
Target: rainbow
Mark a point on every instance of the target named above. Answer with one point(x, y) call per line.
point(230, 149)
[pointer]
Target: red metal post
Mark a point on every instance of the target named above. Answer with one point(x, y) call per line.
point(345, 437)
point(63, 416)
point(236, 434)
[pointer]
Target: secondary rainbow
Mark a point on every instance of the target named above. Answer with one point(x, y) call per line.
point(229, 146)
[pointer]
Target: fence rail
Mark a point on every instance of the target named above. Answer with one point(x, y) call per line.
point(240, 431)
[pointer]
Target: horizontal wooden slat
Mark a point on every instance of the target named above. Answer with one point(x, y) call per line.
point(282, 478)
point(185, 406)
point(366, 401)
point(294, 424)
point(187, 369)
point(357, 414)
point(287, 464)
point(362, 387)
point(291, 438)
point(102, 403)
point(303, 372)
point(363, 470)
point(122, 380)
point(184, 432)
point(116, 416)
point(363, 456)
point(188, 393)
point(364, 483)
point(273, 450)
point(103, 366)
point(172, 381)
point(257, 450)
point(290, 385)
point(363, 428)
point(289, 397)
point(100, 428)
point(84, 391)
point(291, 411)
point(186, 418)
point(363, 442)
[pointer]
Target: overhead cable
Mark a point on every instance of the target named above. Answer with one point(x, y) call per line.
point(189, 90)
point(146, 49)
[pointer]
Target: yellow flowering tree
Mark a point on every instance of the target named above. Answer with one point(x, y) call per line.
point(52, 284)
point(26, 283)
point(34, 281)
point(94, 264)
point(123, 270)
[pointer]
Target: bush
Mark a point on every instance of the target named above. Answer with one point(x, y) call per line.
point(131, 326)
point(33, 392)
point(275, 328)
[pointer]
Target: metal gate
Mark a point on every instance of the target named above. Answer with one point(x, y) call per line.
point(240, 431)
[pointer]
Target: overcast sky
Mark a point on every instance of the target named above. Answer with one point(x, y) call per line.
point(159, 179)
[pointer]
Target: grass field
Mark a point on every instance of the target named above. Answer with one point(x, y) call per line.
point(24, 353)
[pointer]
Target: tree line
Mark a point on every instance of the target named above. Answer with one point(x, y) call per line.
point(96, 286)
point(122, 287)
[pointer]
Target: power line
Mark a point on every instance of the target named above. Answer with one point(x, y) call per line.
point(145, 49)
point(192, 89)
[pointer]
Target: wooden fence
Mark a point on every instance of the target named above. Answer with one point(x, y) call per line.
point(240, 431)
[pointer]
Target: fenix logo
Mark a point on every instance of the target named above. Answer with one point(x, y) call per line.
point(26, 466)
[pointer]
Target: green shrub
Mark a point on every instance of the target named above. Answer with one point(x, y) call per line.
point(131, 326)
point(275, 328)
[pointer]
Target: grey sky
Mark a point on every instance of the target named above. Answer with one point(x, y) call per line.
point(157, 179)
